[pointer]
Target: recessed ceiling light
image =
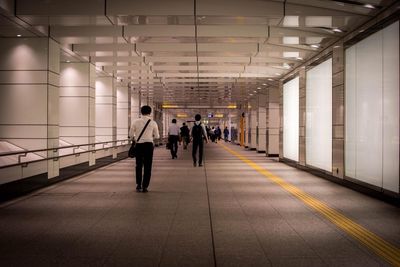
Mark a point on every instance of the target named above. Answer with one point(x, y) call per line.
point(277, 74)
point(337, 30)
point(314, 46)
point(270, 79)
point(68, 61)
point(19, 35)
point(299, 58)
point(369, 6)
point(265, 83)
point(258, 88)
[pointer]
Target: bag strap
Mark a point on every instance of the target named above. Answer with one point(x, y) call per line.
point(141, 133)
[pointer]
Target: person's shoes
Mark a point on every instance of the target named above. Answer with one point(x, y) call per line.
point(138, 188)
point(200, 165)
point(145, 190)
point(194, 164)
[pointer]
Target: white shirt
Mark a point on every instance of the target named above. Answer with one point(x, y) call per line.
point(173, 129)
point(149, 134)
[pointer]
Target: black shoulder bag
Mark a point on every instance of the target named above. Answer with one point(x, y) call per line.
point(132, 150)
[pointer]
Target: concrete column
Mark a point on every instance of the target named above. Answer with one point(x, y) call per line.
point(123, 112)
point(273, 122)
point(135, 105)
point(253, 124)
point(280, 86)
point(302, 117)
point(106, 112)
point(29, 89)
point(238, 134)
point(262, 122)
point(158, 118)
point(338, 111)
point(77, 106)
point(247, 132)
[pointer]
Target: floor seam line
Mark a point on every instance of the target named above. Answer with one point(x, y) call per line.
point(169, 230)
point(209, 214)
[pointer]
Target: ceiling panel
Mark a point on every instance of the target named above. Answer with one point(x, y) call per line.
point(220, 50)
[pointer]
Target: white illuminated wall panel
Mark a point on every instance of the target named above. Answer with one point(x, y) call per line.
point(372, 109)
point(319, 116)
point(291, 119)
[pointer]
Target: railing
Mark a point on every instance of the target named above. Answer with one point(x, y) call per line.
point(23, 153)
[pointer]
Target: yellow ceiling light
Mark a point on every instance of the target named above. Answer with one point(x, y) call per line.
point(169, 106)
point(181, 115)
point(218, 115)
point(232, 106)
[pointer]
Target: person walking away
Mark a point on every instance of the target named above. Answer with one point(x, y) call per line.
point(212, 134)
point(144, 147)
point(185, 135)
point(173, 138)
point(226, 134)
point(218, 134)
point(198, 134)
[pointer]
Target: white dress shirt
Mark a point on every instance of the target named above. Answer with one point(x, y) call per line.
point(173, 129)
point(149, 134)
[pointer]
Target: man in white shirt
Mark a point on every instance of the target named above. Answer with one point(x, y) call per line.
point(173, 138)
point(144, 147)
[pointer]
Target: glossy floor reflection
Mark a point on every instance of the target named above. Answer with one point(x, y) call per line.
point(222, 214)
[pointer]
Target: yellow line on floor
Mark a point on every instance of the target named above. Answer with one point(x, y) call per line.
point(375, 243)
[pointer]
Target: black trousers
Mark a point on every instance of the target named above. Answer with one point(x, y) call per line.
point(200, 145)
point(173, 140)
point(144, 158)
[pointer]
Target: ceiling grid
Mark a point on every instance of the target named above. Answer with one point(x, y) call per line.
point(181, 52)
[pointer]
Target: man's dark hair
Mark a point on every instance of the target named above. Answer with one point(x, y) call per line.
point(197, 117)
point(184, 124)
point(145, 110)
point(173, 120)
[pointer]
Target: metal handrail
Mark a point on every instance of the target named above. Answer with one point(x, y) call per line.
point(56, 158)
point(55, 149)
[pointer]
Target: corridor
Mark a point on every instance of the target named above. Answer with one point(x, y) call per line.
point(234, 211)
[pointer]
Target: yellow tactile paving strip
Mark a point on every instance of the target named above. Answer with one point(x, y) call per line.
point(384, 249)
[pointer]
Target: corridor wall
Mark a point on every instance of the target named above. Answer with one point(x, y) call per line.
point(372, 109)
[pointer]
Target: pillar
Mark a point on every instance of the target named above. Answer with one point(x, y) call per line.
point(123, 112)
point(135, 104)
point(253, 124)
point(158, 118)
point(280, 86)
point(247, 132)
point(302, 116)
point(29, 89)
point(338, 111)
point(273, 122)
point(77, 107)
point(262, 122)
point(106, 112)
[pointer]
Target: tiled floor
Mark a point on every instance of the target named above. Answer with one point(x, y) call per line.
point(222, 214)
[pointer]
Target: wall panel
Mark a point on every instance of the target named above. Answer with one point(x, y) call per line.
point(291, 119)
point(319, 116)
point(372, 109)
